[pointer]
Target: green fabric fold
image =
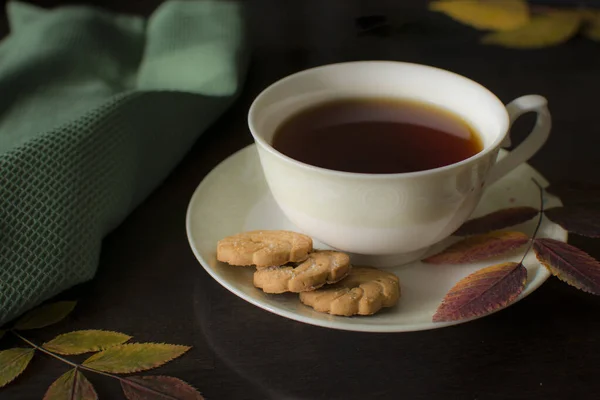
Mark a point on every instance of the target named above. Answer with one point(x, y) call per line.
point(96, 109)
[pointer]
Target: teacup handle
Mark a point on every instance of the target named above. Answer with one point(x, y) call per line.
point(532, 143)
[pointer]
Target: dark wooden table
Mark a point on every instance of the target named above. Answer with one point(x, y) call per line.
point(150, 285)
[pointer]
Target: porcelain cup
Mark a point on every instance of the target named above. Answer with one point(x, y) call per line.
point(394, 217)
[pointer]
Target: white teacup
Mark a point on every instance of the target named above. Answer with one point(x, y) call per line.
point(393, 216)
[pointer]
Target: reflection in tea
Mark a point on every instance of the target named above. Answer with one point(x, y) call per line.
point(377, 136)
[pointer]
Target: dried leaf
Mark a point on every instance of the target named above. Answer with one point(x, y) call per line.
point(498, 15)
point(480, 247)
point(134, 357)
point(483, 292)
point(573, 192)
point(84, 341)
point(158, 388)
point(497, 220)
point(13, 362)
point(569, 264)
point(72, 385)
point(592, 29)
point(580, 220)
point(45, 315)
point(544, 30)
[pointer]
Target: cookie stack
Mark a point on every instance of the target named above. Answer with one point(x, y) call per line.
point(326, 281)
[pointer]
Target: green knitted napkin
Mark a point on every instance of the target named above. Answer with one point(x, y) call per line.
point(95, 110)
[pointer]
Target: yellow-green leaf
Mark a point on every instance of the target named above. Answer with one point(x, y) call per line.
point(134, 357)
point(592, 29)
point(544, 30)
point(45, 315)
point(497, 15)
point(72, 385)
point(84, 341)
point(12, 363)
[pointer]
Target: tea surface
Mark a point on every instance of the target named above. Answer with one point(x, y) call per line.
point(377, 136)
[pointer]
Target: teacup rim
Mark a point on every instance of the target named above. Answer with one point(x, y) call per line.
point(375, 176)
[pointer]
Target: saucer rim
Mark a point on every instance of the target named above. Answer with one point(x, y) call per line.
point(339, 325)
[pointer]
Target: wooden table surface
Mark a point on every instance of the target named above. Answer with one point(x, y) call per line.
point(150, 285)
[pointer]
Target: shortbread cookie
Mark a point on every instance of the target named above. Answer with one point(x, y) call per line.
point(364, 292)
point(264, 248)
point(320, 268)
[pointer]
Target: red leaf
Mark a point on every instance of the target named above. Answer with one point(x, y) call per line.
point(569, 264)
point(158, 388)
point(482, 292)
point(72, 385)
point(497, 220)
point(571, 192)
point(580, 220)
point(480, 247)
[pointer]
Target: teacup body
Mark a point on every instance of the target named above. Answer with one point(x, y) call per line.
point(378, 214)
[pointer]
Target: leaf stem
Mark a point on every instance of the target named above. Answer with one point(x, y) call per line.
point(74, 386)
point(51, 354)
point(539, 222)
point(80, 366)
point(40, 348)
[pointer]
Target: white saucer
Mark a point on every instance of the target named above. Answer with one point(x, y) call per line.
point(234, 197)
